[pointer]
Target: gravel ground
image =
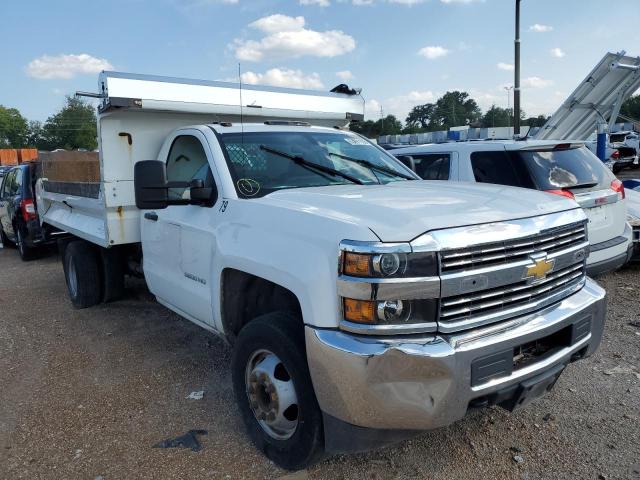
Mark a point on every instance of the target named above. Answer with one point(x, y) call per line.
point(86, 394)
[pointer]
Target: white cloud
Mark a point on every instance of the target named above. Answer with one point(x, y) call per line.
point(406, 2)
point(538, 28)
point(506, 66)
point(66, 66)
point(557, 52)
point(283, 77)
point(462, 1)
point(287, 37)
point(278, 23)
point(319, 3)
point(536, 82)
point(433, 52)
point(345, 75)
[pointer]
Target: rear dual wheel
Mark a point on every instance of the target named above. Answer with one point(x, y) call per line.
point(93, 275)
point(82, 274)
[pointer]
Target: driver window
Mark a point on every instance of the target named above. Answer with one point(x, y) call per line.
point(187, 161)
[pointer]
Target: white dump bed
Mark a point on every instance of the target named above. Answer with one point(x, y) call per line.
point(598, 98)
point(137, 114)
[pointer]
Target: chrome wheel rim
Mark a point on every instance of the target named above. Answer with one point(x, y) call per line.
point(73, 278)
point(272, 395)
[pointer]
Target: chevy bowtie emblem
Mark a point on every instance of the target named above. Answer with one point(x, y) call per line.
point(540, 268)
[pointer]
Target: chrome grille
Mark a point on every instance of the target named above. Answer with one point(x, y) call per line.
point(494, 301)
point(512, 250)
point(488, 283)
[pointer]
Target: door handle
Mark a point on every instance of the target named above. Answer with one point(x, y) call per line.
point(151, 216)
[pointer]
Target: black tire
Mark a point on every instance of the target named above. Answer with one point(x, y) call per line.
point(112, 274)
point(616, 169)
point(82, 274)
point(26, 252)
point(283, 335)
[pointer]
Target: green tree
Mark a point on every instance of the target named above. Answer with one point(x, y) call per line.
point(71, 128)
point(538, 121)
point(420, 117)
point(13, 128)
point(390, 125)
point(631, 107)
point(34, 136)
point(454, 109)
point(497, 117)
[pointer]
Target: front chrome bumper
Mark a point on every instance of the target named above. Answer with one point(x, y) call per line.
point(425, 382)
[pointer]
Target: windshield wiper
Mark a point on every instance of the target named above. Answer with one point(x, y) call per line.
point(581, 185)
point(373, 166)
point(311, 165)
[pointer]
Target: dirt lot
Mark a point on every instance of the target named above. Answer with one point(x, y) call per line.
point(86, 394)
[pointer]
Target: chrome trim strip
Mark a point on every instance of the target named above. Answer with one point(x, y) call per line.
point(357, 246)
point(494, 276)
point(486, 294)
point(388, 288)
point(408, 329)
point(476, 235)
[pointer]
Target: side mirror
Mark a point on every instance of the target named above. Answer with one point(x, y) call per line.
point(408, 161)
point(152, 189)
point(150, 183)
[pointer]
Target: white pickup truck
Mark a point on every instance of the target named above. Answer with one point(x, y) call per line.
point(362, 304)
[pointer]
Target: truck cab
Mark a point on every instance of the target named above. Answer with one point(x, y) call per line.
point(362, 304)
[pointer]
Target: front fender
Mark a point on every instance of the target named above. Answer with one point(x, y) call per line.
point(298, 250)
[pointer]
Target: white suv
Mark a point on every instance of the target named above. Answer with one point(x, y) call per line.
point(567, 169)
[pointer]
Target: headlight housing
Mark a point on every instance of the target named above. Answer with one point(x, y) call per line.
point(389, 264)
point(388, 288)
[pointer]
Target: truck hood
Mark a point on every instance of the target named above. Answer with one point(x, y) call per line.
point(402, 211)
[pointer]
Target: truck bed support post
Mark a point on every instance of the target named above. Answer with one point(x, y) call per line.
point(601, 147)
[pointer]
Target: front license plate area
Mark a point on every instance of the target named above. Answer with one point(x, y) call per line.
point(533, 388)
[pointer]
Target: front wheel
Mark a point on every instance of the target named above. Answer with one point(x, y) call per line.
point(273, 389)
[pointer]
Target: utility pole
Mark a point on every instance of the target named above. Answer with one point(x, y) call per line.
point(516, 89)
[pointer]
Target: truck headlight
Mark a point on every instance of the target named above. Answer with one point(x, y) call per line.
point(390, 312)
point(390, 265)
point(388, 288)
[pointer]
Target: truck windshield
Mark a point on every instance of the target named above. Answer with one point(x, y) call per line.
point(258, 166)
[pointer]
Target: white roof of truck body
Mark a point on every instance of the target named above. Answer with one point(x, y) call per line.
point(223, 99)
point(598, 98)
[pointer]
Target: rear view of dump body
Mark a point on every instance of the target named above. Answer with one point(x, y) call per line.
point(94, 198)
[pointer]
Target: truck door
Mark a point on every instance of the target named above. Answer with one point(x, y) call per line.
point(179, 241)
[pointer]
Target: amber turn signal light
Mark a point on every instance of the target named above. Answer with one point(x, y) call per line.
point(356, 264)
point(360, 311)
